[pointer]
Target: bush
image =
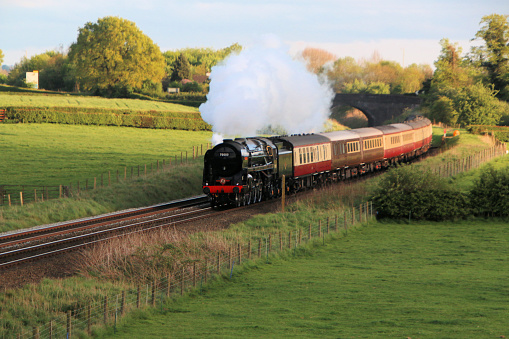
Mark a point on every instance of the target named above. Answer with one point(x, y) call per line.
point(490, 194)
point(405, 192)
point(108, 117)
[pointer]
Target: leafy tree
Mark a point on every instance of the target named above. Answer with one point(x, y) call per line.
point(344, 71)
point(182, 69)
point(316, 58)
point(55, 72)
point(457, 93)
point(1, 57)
point(113, 56)
point(494, 55)
point(359, 86)
point(346, 75)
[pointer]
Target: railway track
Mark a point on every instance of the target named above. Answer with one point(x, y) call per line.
point(19, 247)
point(36, 243)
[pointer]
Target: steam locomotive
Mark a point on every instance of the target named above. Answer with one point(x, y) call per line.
point(247, 170)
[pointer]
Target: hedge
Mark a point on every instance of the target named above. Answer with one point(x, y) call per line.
point(108, 117)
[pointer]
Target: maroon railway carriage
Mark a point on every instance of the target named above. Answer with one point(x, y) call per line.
point(311, 158)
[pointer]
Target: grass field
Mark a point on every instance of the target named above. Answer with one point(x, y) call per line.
point(388, 280)
point(20, 99)
point(49, 154)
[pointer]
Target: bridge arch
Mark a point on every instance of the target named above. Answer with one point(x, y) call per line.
point(377, 107)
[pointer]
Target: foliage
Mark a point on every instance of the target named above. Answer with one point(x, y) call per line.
point(405, 192)
point(55, 72)
point(114, 57)
point(181, 69)
point(457, 94)
point(493, 56)
point(316, 59)
point(359, 86)
point(108, 117)
point(387, 77)
point(1, 57)
point(490, 194)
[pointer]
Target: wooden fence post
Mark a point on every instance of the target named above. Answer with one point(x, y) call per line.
point(168, 285)
point(138, 296)
point(35, 332)
point(249, 250)
point(89, 317)
point(105, 315)
point(69, 324)
point(182, 282)
point(153, 299)
point(122, 304)
point(21, 198)
point(194, 274)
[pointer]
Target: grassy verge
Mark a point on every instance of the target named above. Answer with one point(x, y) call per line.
point(386, 280)
point(175, 182)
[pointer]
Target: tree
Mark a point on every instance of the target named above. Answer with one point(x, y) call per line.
point(1, 57)
point(113, 56)
point(54, 73)
point(494, 55)
point(316, 58)
point(182, 68)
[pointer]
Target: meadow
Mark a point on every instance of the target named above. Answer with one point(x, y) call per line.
point(384, 280)
point(52, 154)
point(10, 99)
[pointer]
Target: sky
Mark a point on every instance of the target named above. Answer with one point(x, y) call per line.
point(399, 30)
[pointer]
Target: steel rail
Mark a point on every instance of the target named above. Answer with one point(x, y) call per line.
point(16, 238)
point(102, 234)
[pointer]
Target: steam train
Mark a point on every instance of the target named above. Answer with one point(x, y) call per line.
point(247, 170)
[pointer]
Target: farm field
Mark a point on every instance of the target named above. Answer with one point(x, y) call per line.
point(51, 154)
point(385, 280)
point(45, 100)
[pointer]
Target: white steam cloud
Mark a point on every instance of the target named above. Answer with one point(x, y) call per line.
point(263, 87)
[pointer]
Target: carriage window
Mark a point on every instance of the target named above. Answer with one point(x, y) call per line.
point(307, 152)
point(300, 156)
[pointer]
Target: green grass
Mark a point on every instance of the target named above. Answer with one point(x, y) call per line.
point(51, 100)
point(50, 154)
point(382, 281)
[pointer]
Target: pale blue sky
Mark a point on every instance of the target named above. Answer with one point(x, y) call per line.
point(400, 30)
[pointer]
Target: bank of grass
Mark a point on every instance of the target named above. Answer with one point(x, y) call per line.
point(385, 280)
point(17, 99)
point(176, 182)
point(52, 154)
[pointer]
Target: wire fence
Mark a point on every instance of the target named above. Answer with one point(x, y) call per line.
point(191, 277)
point(472, 161)
point(19, 195)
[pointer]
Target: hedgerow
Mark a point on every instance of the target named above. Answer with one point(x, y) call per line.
point(407, 193)
point(107, 117)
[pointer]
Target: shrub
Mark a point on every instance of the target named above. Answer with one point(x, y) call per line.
point(405, 192)
point(490, 194)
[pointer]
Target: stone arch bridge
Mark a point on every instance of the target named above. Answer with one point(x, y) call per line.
point(377, 107)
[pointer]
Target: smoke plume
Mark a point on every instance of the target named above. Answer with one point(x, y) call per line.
point(263, 88)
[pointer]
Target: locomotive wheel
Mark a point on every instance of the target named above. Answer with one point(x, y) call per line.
point(238, 200)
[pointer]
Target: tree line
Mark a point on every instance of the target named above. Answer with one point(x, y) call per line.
point(112, 57)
